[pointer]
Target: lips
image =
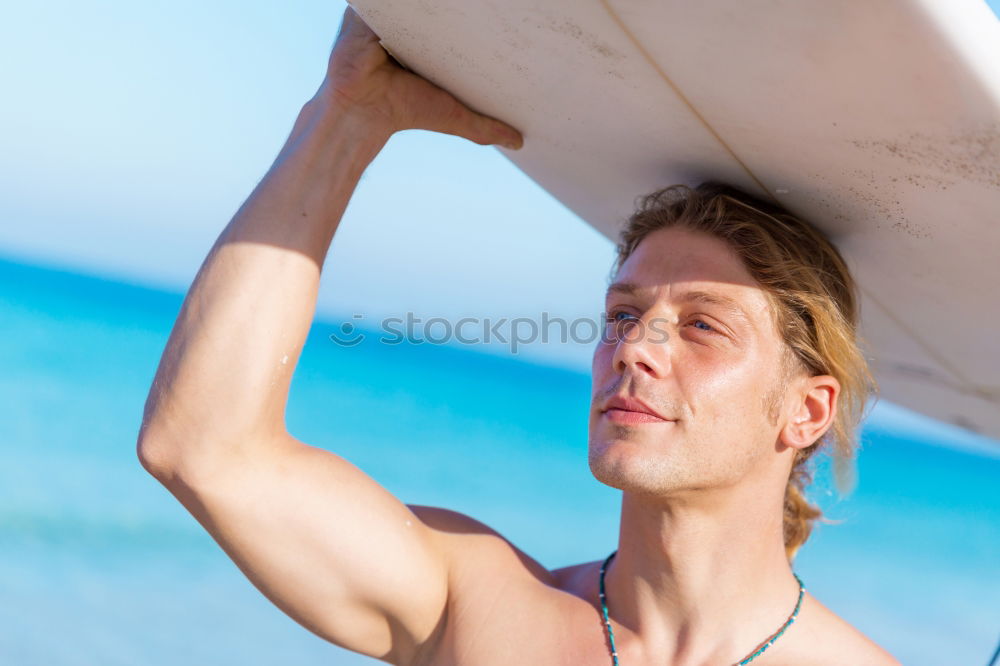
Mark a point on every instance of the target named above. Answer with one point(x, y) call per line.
point(627, 409)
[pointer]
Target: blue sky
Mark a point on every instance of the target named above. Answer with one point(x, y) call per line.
point(131, 132)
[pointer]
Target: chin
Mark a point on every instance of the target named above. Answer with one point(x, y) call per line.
point(633, 466)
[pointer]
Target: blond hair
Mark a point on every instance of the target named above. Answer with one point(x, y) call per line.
point(814, 308)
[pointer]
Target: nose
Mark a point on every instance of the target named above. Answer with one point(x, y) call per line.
point(640, 349)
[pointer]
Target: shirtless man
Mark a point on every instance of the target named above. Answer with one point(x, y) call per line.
point(699, 428)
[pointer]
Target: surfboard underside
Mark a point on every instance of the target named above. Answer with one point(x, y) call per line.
point(878, 122)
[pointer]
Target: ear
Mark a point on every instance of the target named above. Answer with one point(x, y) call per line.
point(813, 411)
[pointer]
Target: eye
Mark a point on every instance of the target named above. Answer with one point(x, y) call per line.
point(612, 317)
point(707, 327)
point(616, 317)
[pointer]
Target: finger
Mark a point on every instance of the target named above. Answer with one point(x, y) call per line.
point(352, 23)
point(354, 29)
point(462, 121)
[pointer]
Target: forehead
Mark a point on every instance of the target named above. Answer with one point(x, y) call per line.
point(676, 263)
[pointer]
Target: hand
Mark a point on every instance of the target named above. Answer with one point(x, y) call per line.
point(361, 78)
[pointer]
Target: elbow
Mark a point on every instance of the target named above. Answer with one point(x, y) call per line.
point(178, 460)
point(157, 452)
point(156, 458)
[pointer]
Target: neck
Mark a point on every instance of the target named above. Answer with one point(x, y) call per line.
point(700, 580)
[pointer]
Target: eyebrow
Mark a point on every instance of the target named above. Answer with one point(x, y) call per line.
point(728, 304)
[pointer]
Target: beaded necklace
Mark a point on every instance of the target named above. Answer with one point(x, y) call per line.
point(746, 660)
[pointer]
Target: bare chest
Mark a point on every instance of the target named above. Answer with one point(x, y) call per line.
point(522, 621)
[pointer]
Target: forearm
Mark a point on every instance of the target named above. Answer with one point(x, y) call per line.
point(224, 376)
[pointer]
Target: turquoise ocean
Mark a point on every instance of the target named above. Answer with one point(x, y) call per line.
point(100, 565)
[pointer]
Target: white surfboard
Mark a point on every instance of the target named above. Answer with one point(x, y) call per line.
point(877, 120)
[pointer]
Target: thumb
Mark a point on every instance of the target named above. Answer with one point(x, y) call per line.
point(460, 120)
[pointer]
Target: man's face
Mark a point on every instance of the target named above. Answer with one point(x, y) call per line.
point(709, 371)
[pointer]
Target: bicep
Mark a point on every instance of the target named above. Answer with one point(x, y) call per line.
point(326, 544)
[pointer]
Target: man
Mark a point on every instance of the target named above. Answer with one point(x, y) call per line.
point(700, 414)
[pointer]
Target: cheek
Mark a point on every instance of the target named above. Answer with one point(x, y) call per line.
point(723, 391)
point(600, 364)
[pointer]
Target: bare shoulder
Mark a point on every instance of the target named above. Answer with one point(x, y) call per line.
point(474, 548)
point(823, 637)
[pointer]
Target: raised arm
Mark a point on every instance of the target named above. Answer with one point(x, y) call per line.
point(316, 535)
